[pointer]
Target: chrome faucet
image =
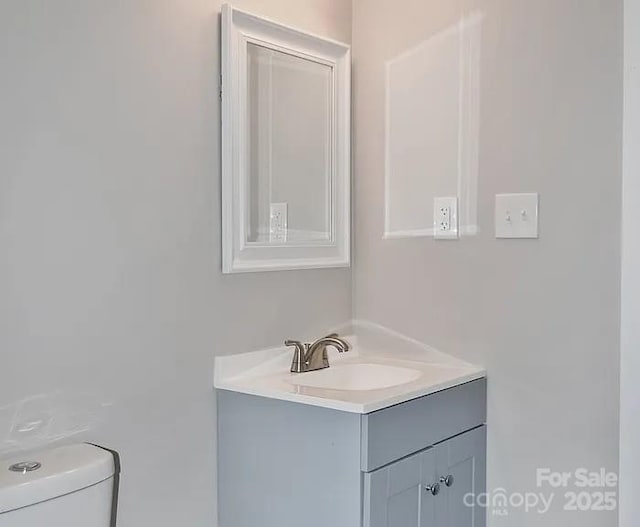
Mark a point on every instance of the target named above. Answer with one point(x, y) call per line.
point(311, 357)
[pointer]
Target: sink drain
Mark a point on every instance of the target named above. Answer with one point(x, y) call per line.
point(25, 466)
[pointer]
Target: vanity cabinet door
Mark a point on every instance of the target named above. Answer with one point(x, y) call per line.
point(461, 468)
point(396, 495)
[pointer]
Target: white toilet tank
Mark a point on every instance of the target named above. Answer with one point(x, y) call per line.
point(69, 486)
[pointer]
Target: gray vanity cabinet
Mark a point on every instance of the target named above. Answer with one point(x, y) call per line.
point(428, 489)
point(286, 464)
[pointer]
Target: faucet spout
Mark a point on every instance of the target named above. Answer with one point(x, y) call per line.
point(330, 340)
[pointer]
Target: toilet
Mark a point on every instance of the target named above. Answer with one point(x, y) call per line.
point(68, 486)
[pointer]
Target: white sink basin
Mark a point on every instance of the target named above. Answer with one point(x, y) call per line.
point(356, 377)
point(367, 379)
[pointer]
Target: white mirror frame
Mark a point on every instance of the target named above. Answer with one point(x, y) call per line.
point(239, 29)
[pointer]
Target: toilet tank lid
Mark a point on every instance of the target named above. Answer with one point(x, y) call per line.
point(62, 470)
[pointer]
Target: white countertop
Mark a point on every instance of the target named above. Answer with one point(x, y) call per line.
point(266, 373)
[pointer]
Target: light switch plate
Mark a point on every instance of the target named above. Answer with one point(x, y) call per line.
point(445, 218)
point(517, 215)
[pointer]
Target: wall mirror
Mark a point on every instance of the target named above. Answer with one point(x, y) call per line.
point(285, 147)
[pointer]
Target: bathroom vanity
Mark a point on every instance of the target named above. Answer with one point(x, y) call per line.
point(385, 437)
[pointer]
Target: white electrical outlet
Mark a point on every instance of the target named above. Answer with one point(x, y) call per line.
point(445, 218)
point(278, 222)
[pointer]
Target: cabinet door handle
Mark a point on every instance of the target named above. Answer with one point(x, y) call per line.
point(434, 489)
point(447, 480)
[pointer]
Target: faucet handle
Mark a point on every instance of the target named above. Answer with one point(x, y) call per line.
point(299, 345)
point(297, 364)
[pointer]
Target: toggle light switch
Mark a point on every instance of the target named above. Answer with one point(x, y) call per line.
point(516, 215)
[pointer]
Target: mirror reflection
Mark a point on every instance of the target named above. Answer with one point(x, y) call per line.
point(290, 104)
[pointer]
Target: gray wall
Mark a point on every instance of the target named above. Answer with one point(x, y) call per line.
point(630, 345)
point(542, 316)
point(112, 302)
